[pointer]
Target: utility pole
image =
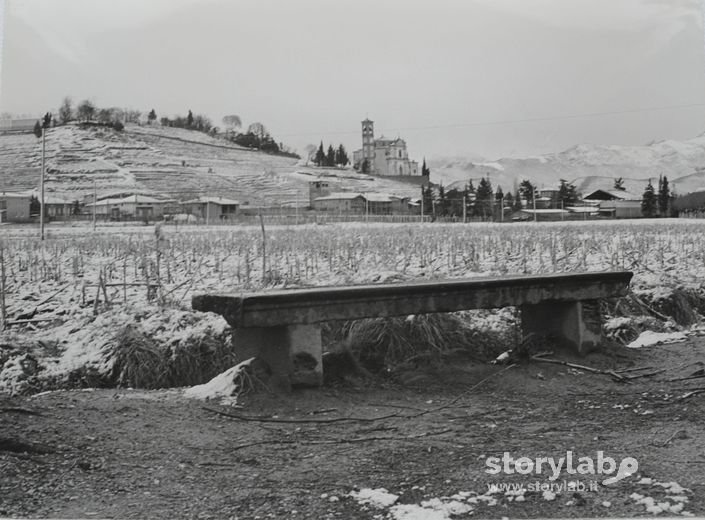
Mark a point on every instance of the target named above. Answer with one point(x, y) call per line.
point(43, 127)
point(534, 197)
point(95, 202)
point(465, 211)
point(501, 209)
point(41, 184)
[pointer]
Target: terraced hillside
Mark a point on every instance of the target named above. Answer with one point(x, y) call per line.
point(173, 162)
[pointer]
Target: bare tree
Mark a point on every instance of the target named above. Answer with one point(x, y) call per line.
point(105, 115)
point(232, 122)
point(85, 110)
point(310, 152)
point(133, 116)
point(258, 129)
point(66, 110)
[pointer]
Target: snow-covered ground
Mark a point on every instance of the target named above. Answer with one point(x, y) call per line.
point(57, 281)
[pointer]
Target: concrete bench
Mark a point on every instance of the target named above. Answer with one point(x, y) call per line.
point(282, 326)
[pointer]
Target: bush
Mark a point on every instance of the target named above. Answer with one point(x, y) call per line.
point(117, 125)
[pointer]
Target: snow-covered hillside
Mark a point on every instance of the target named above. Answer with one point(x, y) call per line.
point(589, 166)
point(167, 161)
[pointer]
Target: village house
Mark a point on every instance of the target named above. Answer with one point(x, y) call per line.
point(14, 207)
point(211, 209)
point(365, 203)
point(342, 202)
point(384, 157)
point(616, 203)
point(57, 208)
point(141, 207)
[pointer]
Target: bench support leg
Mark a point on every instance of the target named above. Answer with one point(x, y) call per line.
point(577, 325)
point(293, 353)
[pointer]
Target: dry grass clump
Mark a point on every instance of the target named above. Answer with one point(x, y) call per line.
point(139, 361)
point(383, 344)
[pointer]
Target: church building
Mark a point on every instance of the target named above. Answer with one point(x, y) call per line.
point(384, 157)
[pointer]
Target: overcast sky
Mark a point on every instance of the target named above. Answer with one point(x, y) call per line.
point(467, 78)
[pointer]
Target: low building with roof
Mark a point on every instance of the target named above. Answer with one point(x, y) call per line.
point(14, 207)
point(211, 209)
point(341, 202)
point(617, 203)
point(142, 207)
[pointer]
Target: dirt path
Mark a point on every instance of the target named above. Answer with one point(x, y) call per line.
point(139, 454)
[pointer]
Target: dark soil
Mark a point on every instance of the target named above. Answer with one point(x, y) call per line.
point(155, 454)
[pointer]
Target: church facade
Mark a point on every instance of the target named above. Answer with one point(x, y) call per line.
point(384, 157)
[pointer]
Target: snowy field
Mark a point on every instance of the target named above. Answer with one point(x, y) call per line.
point(76, 290)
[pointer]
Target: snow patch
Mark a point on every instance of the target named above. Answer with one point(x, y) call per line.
point(223, 385)
point(379, 498)
point(649, 338)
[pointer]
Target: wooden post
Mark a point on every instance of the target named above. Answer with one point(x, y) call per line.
point(2, 287)
point(95, 202)
point(465, 210)
point(534, 197)
point(41, 186)
point(264, 251)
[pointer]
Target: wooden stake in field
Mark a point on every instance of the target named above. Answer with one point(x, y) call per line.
point(2, 287)
point(95, 202)
point(264, 251)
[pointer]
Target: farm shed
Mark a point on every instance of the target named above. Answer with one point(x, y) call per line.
point(211, 208)
point(56, 207)
point(343, 202)
point(141, 207)
point(14, 207)
point(621, 208)
point(617, 203)
point(383, 204)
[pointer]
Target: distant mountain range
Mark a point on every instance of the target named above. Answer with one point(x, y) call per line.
point(588, 166)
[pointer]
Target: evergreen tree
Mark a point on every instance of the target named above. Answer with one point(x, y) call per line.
point(424, 169)
point(648, 201)
point(527, 191)
point(664, 196)
point(152, 116)
point(427, 196)
point(320, 156)
point(484, 196)
point(567, 194)
point(365, 168)
point(341, 156)
point(499, 194)
point(330, 156)
point(509, 200)
point(34, 205)
point(37, 129)
point(441, 202)
point(189, 119)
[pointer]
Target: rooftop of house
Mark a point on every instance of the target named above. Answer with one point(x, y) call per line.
point(132, 199)
point(342, 195)
point(222, 201)
point(615, 194)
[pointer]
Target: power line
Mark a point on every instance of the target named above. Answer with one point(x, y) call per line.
point(516, 121)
